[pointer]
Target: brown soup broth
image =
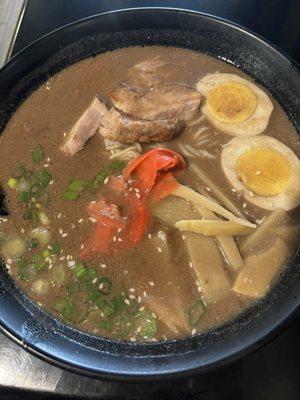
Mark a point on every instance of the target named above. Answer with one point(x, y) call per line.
point(145, 278)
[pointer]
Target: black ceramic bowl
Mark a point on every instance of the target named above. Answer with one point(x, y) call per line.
point(66, 347)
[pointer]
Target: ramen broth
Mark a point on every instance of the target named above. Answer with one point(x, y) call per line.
point(173, 283)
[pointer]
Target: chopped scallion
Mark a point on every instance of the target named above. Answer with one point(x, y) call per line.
point(44, 177)
point(12, 183)
point(55, 248)
point(195, 312)
point(79, 270)
point(38, 154)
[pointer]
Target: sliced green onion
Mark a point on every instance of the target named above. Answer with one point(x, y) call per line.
point(58, 304)
point(43, 218)
point(70, 311)
point(106, 308)
point(77, 185)
point(105, 285)
point(148, 325)
point(79, 270)
point(12, 183)
point(40, 286)
point(24, 197)
point(73, 288)
point(38, 154)
point(117, 165)
point(195, 312)
point(46, 253)
point(55, 248)
point(33, 244)
point(118, 303)
point(27, 271)
point(14, 247)
point(69, 195)
point(42, 235)
point(44, 177)
point(106, 325)
point(24, 185)
point(31, 214)
point(91, 274)
point(58, 274)
point(39, 261)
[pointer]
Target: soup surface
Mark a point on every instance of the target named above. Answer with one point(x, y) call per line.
point(155, 247)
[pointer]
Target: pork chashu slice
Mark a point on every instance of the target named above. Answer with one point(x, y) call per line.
point(124, 129)
point(84, 128)
point(177, 101)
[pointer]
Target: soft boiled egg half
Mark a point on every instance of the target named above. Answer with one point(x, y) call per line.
point(263, 170)
point(234, 105)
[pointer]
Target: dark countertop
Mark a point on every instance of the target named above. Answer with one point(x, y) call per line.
point(272, 372)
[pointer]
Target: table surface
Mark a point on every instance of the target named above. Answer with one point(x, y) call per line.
point(272, 372)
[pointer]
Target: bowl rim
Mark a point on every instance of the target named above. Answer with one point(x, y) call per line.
point(257, 339)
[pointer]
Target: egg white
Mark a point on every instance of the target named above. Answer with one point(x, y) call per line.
point(289, 198)
point(255, 124)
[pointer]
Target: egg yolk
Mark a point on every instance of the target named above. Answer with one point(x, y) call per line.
point(264, 171)
point(231, 102)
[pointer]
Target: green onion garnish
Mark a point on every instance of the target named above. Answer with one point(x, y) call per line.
point(33, 244)
point(24, 197)
point(55, 248)
point(79, 270)
point(195, 312)
point(44, 177)
point(69, 195)
point(38, 154)
point(12, 183)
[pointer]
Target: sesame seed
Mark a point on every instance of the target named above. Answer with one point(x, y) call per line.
point(138, 195)
point(244, 205)
point(125, 271)
point(132, 289)
point(126, 301)
point(132, 296)
point(94, 280)
point(105, 180)
point(144, 293)
point(190, 264)
point(132, 339)
point(257, 172)
point(139, 299)
point(62, 258)
point(208, 189)
point(199, 289)
point(73, 226)
point(48, 159)
point(151, 283)
point(149, 235)
point(159, 249)
point(80, 220)
point(138, 329)
point(8, 266)
point(153, 315)
point(120, 240)
point(101, 265)
point(51, 182)
point(64, 235)
point(183, 237)
point(64, 134)
point(59, 215)
point(193, 331)
point(60, 231)
point(39, 303)
point(81, 246)
point(142, 308)
point(93, 220)
point(71, 263)
point(93, 202)
point(114, 238)
point(101, 286)
point(233, 190)
point(46, 165)
point(119, 230)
